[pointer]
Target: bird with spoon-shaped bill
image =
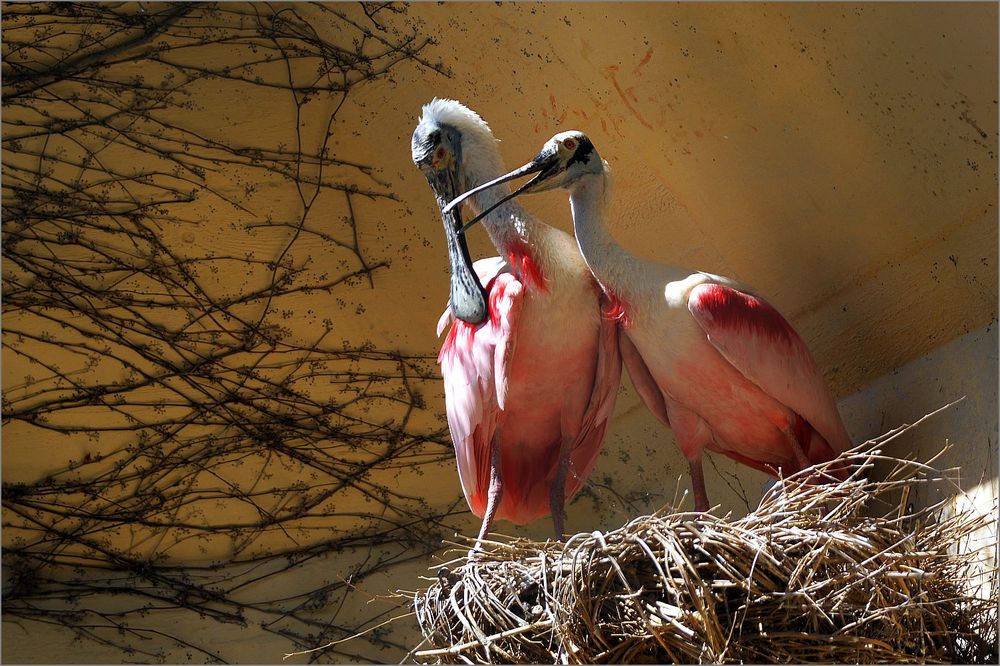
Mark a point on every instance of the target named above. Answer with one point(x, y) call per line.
point(530, 389)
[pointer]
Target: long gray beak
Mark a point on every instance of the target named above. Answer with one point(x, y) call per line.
point(467, 296)
point(543, 162)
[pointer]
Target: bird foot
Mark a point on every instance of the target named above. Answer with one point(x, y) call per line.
point(475, 552)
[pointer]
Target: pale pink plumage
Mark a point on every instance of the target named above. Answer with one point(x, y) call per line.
point(713, 361)
point(737, 379)
point(502, 380)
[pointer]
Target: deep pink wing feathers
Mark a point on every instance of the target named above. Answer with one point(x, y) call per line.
point(754, 337)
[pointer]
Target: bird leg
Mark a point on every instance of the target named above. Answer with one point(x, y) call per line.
point(493, 496)
point(698, 484)
point(557, 494)
point(800, 455)
point(693, 435)
point(816, 477)
point(797, 451)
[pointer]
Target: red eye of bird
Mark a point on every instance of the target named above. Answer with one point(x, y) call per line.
point(570, 144)
point(439, 153)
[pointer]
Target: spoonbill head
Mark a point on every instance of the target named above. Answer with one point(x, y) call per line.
point(436, 148)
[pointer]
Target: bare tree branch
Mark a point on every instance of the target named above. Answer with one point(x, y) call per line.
point(223, 450)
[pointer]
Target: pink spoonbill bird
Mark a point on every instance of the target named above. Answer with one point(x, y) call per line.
point(709, 357)
point(529, 390)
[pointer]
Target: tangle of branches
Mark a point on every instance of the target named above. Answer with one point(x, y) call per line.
point(220, 446)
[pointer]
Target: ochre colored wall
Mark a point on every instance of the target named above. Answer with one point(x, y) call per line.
point(840, 158)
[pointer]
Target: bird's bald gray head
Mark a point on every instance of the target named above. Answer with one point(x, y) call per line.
point(447, 138)
point(435, 146)
point(571, 155)
point(451, 135)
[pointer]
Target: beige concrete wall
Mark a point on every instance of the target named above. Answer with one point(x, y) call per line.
point(961, 440)
point(840, 158)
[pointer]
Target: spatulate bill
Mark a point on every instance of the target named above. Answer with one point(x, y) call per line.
point(468, 298)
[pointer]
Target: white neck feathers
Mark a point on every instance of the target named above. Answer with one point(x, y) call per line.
point(590, 199)
point(509, 224)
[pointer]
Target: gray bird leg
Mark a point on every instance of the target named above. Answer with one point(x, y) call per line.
point(493, 496)
point(557, 495)
point(698, 485)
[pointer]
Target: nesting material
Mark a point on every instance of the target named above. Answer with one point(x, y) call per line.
point(807, 577)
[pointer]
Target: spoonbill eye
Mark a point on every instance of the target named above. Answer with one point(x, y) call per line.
point(569, 144)
point(439, 153)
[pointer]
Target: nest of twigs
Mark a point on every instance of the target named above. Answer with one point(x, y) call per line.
point(806, 577)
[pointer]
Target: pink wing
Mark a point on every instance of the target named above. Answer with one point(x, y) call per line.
point(761, 344)
point(642, 379)
point(474, 363)
point(607, 377)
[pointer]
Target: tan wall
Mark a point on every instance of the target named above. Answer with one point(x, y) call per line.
point(840, 158)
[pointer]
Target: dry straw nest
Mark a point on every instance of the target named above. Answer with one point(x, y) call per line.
point(806, 577)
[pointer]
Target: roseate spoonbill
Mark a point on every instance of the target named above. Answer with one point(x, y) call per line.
point(709, 357)
point(530, 390)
